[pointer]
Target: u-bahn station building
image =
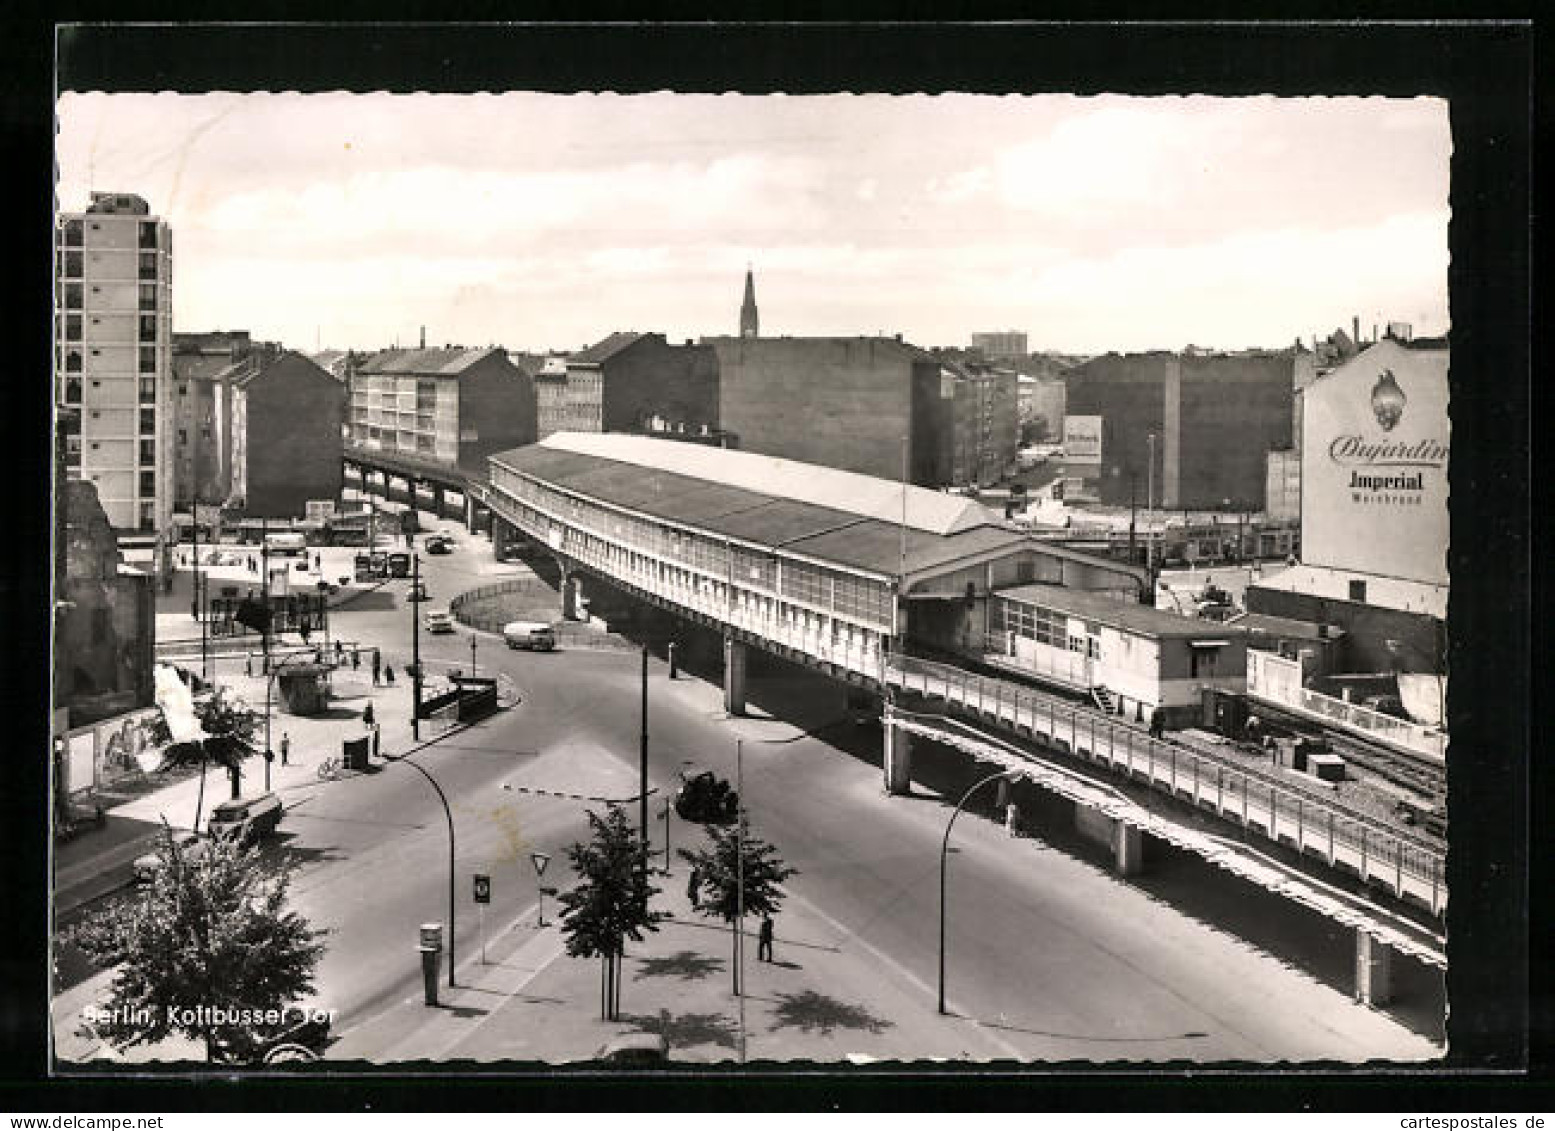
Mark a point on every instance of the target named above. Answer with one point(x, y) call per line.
point(878, 585)
point(828, 568)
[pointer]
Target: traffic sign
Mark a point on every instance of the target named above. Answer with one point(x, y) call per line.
point(540, 860)
point(482, 888)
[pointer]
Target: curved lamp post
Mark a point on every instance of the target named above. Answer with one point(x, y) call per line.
point(944, 850)
point(449, 816)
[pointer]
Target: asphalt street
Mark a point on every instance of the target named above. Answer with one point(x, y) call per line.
point(1046, 948)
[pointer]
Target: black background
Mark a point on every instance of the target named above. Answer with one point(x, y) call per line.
point(1499, 756)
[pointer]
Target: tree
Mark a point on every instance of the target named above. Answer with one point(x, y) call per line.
point(733, 887)
point(209, 940)
point(610, 903)
point(230, 726)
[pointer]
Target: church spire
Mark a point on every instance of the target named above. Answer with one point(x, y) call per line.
point(748, 321)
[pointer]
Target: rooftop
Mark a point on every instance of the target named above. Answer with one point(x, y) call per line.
point(805, 509)
point(606, 348)
point(846, 491)
point(1124, 613)
point(427, 362)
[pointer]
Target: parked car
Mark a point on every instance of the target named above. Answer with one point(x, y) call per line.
point(534, 635)
point(191, 844)
point(632, 1049)
point(706, 799)
point(249, 819)
point(300, 1034)
point(437, 544)
point(439, 622)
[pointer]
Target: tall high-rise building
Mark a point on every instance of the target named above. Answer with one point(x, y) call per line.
point(749, 325)
point(113, 357)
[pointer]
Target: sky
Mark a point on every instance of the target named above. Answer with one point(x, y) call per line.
point(545, 222)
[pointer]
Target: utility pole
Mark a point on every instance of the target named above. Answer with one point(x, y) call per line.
point(1150, 518)
point(415, 646)
point(642, 784)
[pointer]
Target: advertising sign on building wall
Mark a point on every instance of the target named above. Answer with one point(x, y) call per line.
point(1374, 465)
point(1082, 439)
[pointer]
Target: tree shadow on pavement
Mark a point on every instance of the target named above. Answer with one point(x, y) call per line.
point(688, 965)
point(813, 1012)
point(688, 1029)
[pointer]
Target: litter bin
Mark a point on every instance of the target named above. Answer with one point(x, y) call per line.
point(353, 752)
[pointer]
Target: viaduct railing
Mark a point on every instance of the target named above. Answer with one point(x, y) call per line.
point(1284, 808)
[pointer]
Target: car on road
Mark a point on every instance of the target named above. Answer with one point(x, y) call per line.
point(534, 635)
point(249, 819)
point(706, 799)
point(635, 1049)
point(439, 622)
point(190, 844)
point(437, 544)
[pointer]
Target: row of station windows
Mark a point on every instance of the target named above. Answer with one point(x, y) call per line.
point(850, 595)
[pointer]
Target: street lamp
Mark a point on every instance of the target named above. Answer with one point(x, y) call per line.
point(944, 851)
point(449, 816)
point(415, 646)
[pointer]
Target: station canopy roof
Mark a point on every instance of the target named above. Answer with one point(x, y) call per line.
point(805, 509)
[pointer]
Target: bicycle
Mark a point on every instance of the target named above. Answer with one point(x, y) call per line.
point(329, 769)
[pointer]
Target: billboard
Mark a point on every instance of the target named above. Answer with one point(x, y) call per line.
point(1082, 439)
point(1375, 438)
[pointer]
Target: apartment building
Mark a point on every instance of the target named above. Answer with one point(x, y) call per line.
point(113, 357)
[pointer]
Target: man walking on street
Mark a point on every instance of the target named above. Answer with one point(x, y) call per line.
point(286, 748)
point(377, 670)
point(367, 716)
point(694, 889)
point(764, 940)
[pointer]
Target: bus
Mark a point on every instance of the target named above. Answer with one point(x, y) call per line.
point(286, 542)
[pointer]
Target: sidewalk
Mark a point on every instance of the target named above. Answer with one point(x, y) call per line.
point(532, 1002)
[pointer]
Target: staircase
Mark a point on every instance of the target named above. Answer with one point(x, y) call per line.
point(1103, 699)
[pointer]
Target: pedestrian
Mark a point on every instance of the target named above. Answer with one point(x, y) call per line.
point(764, 940)
point(388, 674)
point(339, 649)
point(1157, 724)
point(694, 889)
point(376, 669)
point(674, 668)
point(375, 741)
point(356, 659)
point(1012, 818)
point(286, 748)
point(367, 715)
point(317, 560)
point(1251, 729)
point(248, 664)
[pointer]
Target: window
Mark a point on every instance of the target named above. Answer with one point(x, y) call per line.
point(148, 390)
point(148, 327)
point(148, 483)
point(72, 327)
point(148, 359)
point(148, 296)
point(148, 266)
point(183, 436)
point(1358, 591)
point(148, 233)
point(73, 391)
point(148, 420)
point(72, 233)
point(148, 451)
point(73, 296)
point(73, 364)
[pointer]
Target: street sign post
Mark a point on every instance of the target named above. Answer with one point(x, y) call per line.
point(482, 898)
point(540, 860)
